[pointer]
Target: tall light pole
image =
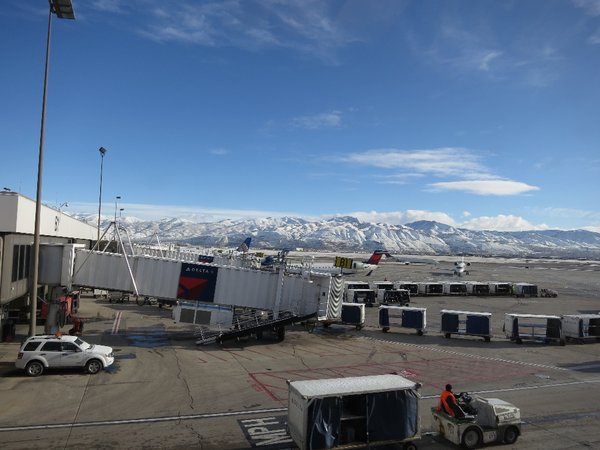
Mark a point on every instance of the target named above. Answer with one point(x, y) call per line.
point(117, 198)
point(63, 10)
point(102, 151)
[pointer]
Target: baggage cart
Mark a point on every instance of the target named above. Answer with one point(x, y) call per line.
point(581, 327)
point(403, 317)
point(536, 327)
point(466, 323)
point(354, 412)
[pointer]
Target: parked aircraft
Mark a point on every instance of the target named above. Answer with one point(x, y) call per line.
point(460, 267)
point(245, 246)
point(407, 260)
point(340, 266)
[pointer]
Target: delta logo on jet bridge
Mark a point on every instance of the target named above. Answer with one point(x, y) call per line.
point(197, 282)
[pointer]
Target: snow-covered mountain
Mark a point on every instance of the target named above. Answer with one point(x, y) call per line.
point(350, 234)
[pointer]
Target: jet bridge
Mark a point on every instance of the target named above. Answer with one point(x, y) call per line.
point(282, 298)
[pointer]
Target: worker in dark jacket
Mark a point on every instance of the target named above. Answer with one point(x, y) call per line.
point(448, 403)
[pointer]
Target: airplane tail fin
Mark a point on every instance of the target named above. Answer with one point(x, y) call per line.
point(376, 257)
point(245, 246)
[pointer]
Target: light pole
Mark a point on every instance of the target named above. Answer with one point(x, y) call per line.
point(102, 151)
point(121, 213)
point(117, 198)
point(63, 10)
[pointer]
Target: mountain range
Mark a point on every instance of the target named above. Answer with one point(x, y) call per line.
point(352, 235)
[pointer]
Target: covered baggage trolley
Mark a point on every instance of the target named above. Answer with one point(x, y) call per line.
point(500, 288)
point(403, 317)
point(353, 314)
point(581, 327)
point(396, 296)
point(354, 412)
point(477, 288)
point(466, 323)
point(525, 290)
point(380, 287)
point(537, 327)
point(455, 288)
point(365, 296)
point(413, 288)
point(431, 288)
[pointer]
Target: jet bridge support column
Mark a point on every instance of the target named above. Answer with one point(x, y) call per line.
point(278, 295)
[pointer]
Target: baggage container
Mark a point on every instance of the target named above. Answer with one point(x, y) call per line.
point(396, 296)
point(380, 287)
point(476, 288)
point(500, 288)
point(581, 327)
point(413, 288)
point(536, 327)
point(353, 314)
point(403, 317)
point(525, 290)
point(365, 296)
point(455, 289)
point(466, 323)
point(354, 412)
point(431, 288)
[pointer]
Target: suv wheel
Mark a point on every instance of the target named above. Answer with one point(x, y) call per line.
point(34, 369)
point(93, 366)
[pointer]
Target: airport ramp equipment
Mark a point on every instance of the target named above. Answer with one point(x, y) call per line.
point(403, 317)
point(581, 327)
point(525, 290)
point(477, 288)
point(352, 314)
point(431, 288)
point(411, 287)
point(500, 288)
point(354, 412)
point(396, 296)
point(468, 323)
point(536, 327)
point(455, 288)
point(380, 287)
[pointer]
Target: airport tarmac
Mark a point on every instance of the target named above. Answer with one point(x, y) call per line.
point(165, 392)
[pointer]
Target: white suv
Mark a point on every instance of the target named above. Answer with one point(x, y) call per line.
point(43, 352)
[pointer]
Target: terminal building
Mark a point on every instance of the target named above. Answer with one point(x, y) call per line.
point(17, 223)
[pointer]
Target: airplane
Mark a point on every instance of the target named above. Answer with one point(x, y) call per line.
point(460, 267)
point(344, 266)
point(220, 258)
point(245, 246)
point(404, 259)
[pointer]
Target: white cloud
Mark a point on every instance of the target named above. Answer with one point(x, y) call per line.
point(218, 151)
point(485, 187)
point(332, 119)
point(594, 229)
point(501, 222)
point(312, 28)
point(592, 7)
point(448, 161)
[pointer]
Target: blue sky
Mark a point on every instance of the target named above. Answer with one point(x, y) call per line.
point(482, 114)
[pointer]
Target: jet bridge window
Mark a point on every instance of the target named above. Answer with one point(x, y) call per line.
point(21, 261)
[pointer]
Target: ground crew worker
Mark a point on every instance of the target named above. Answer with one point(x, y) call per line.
point(448, 403)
